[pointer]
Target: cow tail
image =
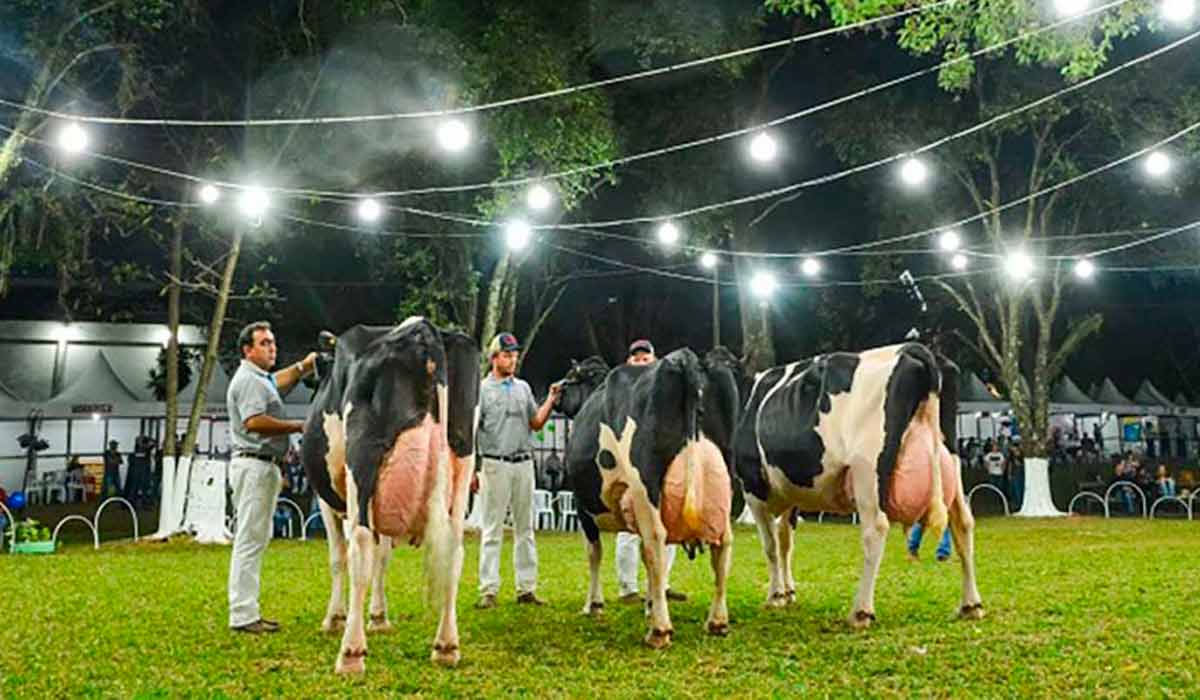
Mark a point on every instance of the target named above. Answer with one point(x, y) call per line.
point(936, 516)
point(693, 484)
point(442, 541)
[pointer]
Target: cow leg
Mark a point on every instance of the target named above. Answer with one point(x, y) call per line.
point(767, 534)
point(335, 613)
point(446, 643)
point(783, 527)
point(722, 555)
point(351, 657)
point(654, 556)
point(874, 524)
point(962, 531)
point(379, 617)
point(594, 603)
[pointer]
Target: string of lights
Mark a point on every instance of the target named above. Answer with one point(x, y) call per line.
point(763, 147)
point(488, 106)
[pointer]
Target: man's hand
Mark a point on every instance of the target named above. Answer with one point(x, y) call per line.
point(308, 364)
point(475, 482)
point(555, 392)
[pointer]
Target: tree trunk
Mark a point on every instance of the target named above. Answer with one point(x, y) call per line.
point(758, 348)
point(492, 311)
point(214, 341)
point(173, 293)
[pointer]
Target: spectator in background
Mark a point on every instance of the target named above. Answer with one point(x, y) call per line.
point(994, 462)
point(1016, 475)
point(1125, 471)
point(1164, 483)
point(74, 473)
point(112, 470)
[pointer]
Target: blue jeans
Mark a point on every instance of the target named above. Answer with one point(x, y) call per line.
point(914, 542)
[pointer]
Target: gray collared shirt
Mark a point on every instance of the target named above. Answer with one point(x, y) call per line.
point(252, 392)
point(505, 408)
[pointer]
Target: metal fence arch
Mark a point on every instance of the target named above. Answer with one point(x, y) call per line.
point(82, 519)
point(297, 508)
point(1086, 495)
point(1187, 507)
point(1125, 482)
point(989, 487)
point(102, 506)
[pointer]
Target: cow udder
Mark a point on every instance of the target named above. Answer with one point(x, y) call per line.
point(912, 478)
point(406, 479)
point(710, 517)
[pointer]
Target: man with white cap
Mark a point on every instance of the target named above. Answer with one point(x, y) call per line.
point(508, 415)
point(641, 352)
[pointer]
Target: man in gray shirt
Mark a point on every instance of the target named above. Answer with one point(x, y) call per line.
point(508, 415)
point(258, 435)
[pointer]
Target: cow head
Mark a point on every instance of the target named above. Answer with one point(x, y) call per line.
point(326, 347)
point(581, 381)
point(394, 378)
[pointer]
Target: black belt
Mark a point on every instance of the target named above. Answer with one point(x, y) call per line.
point(273, 459)
point(521, 457)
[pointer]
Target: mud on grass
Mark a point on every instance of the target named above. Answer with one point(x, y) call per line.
point(1079, 607)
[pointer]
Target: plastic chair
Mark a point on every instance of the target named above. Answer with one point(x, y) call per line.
point(568, 518)
point(75, 488)
point(542, 509)
point(52, 483)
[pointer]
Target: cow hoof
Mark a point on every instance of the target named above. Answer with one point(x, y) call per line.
point(777, 600)
point(352, 661)
point(718, 629)
point(861, 620)
point(333, 624)
point(971, 612)
point(790, 596)
point(446, 656)
point(594, 609)
point(659, 639)
point(379, 624)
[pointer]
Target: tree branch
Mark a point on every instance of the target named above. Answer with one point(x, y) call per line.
point(1078, 332)
point(79, 57)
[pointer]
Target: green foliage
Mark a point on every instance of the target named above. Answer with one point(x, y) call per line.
point(1076, 50)
point(1073, 605)
point(188, 357)
point(30, 530)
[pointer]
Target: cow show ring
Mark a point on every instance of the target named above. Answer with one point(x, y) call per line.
point(797, 521)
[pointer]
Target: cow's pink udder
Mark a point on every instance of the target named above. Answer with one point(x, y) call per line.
point(912, 478)
point(406, 478)
point(711, 516)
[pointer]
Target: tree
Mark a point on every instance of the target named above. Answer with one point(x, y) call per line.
point(1017, 328)
point(70, 55)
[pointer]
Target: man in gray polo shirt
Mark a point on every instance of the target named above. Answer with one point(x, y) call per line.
point(258, 435)
point(508, 415)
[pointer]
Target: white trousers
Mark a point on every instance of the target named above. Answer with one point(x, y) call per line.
point(255, 490)
point(629, 562)
point(507, 485)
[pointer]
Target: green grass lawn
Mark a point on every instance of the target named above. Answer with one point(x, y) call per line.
point(1082, 607)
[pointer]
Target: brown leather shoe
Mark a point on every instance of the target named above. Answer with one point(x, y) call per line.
point(633, 598)
point(258, 627)
point(486, 601)
point(529, 599)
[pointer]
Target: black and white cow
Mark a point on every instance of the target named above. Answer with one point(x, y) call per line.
point(872, 432)
point(649, 453)
point(389, 446)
